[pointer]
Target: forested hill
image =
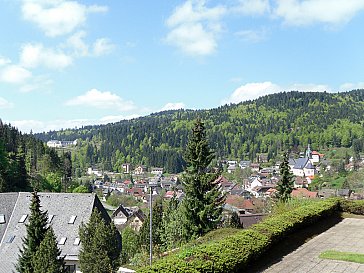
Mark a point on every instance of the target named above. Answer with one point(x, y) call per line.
point(270, 124)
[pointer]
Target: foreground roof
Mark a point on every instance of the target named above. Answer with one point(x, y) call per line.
point(66, 212)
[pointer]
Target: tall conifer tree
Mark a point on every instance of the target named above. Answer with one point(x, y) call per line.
point(203, 201)
point(100, 249)
point(36, 230)
point(285, 185)
point(48, 258)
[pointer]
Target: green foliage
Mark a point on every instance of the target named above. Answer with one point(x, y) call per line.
point(271, 124)
point(100, 248)
point(130, 243)
point(285, 185)
point(144, 233)
point(234, 252)
point(351, 206)
point(40, 253)
point(126, 200)
point(203, 200)
point(48, 258)
point(80, 189)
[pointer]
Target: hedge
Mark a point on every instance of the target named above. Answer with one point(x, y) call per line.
point(351, 206)
point(233, 253)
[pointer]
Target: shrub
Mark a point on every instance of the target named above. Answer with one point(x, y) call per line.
point(236, 251)
point(351, 206)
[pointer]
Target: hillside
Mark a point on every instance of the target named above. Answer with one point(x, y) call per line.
point(270, 124)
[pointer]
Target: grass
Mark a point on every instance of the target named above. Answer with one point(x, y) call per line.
point(342, 256)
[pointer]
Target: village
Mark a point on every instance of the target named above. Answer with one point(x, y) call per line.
point(249, 187)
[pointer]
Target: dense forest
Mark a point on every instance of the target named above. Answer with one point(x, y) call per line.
point(26, 163)
point(270, 125)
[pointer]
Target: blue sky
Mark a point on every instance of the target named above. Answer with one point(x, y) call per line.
point(68, 63)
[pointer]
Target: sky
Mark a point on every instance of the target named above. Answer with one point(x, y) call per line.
point(69, 63)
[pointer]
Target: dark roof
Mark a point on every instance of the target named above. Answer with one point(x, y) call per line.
point(301, 163)
point(63, 206)
point(7, 203)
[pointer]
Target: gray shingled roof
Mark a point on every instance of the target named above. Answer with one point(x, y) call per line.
point(62, 206)
point(300, 163)
point(7, 203)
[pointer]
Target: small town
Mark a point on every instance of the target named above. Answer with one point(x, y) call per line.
point(186, 136)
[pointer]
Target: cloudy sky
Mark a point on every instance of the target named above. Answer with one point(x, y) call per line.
point(68, 63)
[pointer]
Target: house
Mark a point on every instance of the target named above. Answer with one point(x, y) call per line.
point(140, 170)
point(126, 168)
point(238, 204)
point(304, 193)
point(128, 216)
point(66, 212)
point(231, 168)
point(156, 171)
point(303, 167)
point(244, 164)
point(61, 144)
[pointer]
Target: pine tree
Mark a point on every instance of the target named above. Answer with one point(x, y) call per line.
point(203, 201)
point(36, 230)
point(48, 257)
point(285, 185)
point(100, 249)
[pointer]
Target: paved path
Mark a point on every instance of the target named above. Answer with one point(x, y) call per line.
point(347, 235)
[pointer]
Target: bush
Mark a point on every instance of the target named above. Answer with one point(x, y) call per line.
point(236, 251)
point(351, 206)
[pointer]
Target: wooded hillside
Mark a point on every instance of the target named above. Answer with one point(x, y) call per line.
point(270, 124)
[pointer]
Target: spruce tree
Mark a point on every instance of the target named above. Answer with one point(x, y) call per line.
point(36, 230)
point(203, 201)
point(285, 185)
point(100, 245)
point(48, 257)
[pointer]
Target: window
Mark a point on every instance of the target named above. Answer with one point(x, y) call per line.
point(70, 268)
point(50, 218)
point(23, 218)
point(62, 241)
point(10, 239)
point(2, 219)
point(76, 242)
point(72, 219)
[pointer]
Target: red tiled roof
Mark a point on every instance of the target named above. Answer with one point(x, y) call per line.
point(303, 192)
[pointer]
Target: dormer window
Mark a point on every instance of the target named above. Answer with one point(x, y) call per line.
point(62, 241)
point(23, 218)
point(72, 219)
point(76, 242)
point(2, 219)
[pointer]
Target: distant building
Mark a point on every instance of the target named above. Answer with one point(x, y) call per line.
point(66, 211)
point(156, 171)
point(61, 144)
point(126, 168)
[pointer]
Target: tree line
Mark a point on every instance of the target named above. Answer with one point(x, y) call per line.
point(271, 124)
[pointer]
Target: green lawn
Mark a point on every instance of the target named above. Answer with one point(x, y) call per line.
point(342, 256)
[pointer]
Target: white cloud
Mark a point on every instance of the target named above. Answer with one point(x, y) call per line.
point(77, 43)
point(305, 12)
point(251, 91)
point(36, 83)
point(252, 7)
point(34, 55)
point(193, 39)
point(351, 86)
point(173, 106)
point(4, 104)
point(57, 17)
point(4, 61)
point(101, 100)
point(253, 36)
point(14, 74)
point(37, 126)
point(194, 28)
point(102, 46)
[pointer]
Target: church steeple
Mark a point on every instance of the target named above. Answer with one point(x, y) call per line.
point(308, 151)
